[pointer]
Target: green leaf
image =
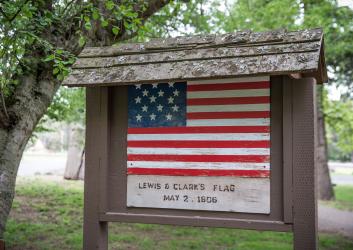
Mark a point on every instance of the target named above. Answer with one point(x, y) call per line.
point(127, 25)
point(109, 5)
point(115, 30)
point(118, 15)
point(55, 71)
point(88, 26)
point(86, 18)
point(104, 23)
point(131, 14)
point(49, 58)
point(60, 77)
point(27, 13)
point(95, 15)
point(81, 41)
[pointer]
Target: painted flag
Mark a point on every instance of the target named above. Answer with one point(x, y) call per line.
point(200, 128)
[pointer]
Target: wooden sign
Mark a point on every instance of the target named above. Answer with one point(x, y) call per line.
point(207, 130)
point(200, 145)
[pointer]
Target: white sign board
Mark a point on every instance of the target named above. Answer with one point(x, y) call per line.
point(200, 145)
point(234, 194)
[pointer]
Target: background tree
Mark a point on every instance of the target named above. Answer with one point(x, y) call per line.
point(221, 16)
point(339, 117)
point(38, 42)
point(338, 27)
point(68, 107)
point(260, 15)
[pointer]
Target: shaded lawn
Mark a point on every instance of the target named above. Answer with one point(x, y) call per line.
point(344, 198)
point(48, 215)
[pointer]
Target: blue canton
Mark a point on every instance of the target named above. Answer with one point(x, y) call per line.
point(157, 105)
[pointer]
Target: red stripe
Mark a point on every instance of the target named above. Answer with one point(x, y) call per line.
point(199, 158)
point(229, 86)
point(198, 172)
point(199, 144)
point(228, 100)
point(213, 129)
point(225, 115)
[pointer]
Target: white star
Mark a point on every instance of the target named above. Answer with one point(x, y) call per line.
point(171, 84)
point(138, 117)
point(153, 99)
point(169, 117)
point(170, 100)
point(138, 99)
point(145, 92)
point(175, 108)
point(138, 86)
point(176, 92)
point(160, 93)
point(160, 108)
point(144, 108)
point(153, 116)
point(154, 85)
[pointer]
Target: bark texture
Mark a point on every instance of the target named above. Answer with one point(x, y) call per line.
point(33, 96)
point(325, 189)
point(35, 91)
point(75, 155)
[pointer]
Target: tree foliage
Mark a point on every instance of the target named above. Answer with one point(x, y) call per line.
point(68, 104)
point(260, 15)
point(39, 41)
point(25, 25)
point(52, 33)
point(340, 127)
point(198, 17)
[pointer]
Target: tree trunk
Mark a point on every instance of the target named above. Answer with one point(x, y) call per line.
point(10, 156)
point(25, 114)
point(325, 190)
point(75, 155)
point(35, 91)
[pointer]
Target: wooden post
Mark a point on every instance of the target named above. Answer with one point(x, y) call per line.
point(2, 244)
point(95, 232)
point(304, 170)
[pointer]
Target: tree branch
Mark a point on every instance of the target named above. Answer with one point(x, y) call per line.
point(152, 7)
point(16, 14)
point(4, 116)
point(4, 14)
point(69, 4)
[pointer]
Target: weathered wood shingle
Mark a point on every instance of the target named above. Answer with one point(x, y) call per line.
point(203, 57)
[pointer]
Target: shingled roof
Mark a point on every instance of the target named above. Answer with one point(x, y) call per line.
point(297, 53)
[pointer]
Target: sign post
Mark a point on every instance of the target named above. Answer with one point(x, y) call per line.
point(214, 131)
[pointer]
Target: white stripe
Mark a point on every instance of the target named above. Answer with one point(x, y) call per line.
point(229, 122)
point(221, 108)
point(198, 165)
point(228, 93)
point(199, 151)
point(203, 137)
point(232, 80)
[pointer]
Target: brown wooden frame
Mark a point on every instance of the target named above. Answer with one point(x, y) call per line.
point(292, 169)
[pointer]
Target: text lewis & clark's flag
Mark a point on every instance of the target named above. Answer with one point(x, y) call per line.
point(206, 128)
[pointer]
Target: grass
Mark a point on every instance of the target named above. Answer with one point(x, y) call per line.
point(48, 215)
point(344, 198)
